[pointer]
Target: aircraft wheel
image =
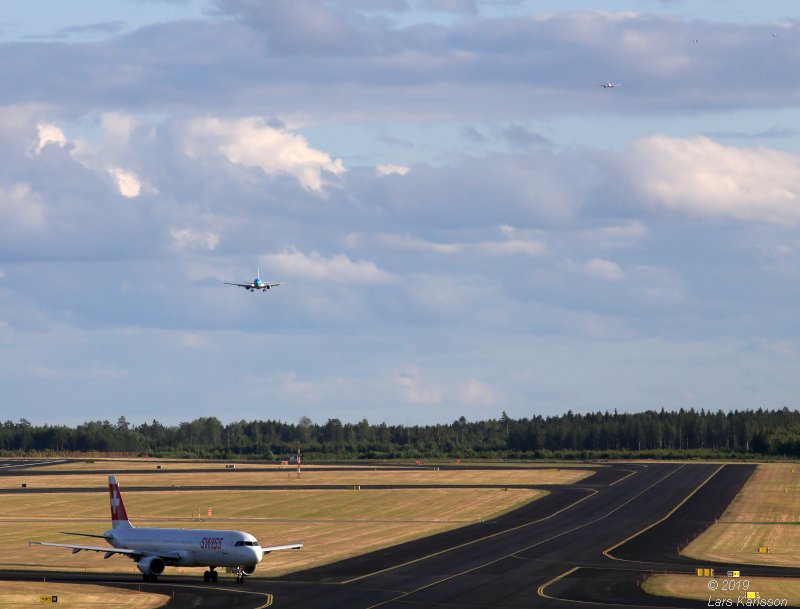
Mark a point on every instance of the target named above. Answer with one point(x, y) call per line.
point(206, 576)
point(213, 576)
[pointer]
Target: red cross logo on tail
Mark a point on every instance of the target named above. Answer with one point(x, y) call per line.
point(118, 513)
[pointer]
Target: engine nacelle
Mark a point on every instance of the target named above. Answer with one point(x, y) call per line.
point(151, 565)
point(249, 569)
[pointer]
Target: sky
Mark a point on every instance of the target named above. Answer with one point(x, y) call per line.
point(464, 222)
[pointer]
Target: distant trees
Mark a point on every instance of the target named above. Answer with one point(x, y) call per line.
point(683, 433)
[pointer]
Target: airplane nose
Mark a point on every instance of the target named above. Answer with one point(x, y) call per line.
point(258, 554)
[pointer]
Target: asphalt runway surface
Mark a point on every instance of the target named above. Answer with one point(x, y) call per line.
point(585, 544)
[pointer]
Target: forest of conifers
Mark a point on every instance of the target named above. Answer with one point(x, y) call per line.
point(650, 434)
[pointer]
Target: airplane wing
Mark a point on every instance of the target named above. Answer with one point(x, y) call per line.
point(108, 550)
point(246, 286)
point(291, 546)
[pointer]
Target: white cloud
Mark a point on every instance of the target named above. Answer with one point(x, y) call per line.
point(127, 182)
point(49, 134)
point(385, 170)
point(414, 390)
point(605, 270)
point(188, 238)
point(253, 143)
point(528, 247)
point(703, 179)
point(339, 268)
point(619, 236)
point(476, 392)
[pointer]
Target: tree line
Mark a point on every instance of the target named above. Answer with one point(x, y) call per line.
point(658, 434)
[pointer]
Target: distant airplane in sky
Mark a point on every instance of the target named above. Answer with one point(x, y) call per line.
point(153, 549)
point(254, 285)
point(696, 41)
point(610, 85)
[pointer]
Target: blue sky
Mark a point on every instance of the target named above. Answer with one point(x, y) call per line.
point(463, 220)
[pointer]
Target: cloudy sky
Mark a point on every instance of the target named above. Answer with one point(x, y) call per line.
point(463, 220)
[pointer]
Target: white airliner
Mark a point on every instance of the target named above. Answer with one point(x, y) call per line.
point(153, 549)
point(610, 85)
point(256, 284)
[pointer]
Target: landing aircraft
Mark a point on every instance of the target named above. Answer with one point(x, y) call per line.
point(153, 549)
point(254, 285)
point(610, 85)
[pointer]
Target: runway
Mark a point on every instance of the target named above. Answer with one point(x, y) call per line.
point(584, 543)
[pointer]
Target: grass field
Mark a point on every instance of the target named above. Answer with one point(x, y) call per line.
point(333, 524)
point(24, 595)
point(765, 514)
point(690, 586)
point(288, 477)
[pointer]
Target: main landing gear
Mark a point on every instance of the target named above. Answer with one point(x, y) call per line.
point(210, 575)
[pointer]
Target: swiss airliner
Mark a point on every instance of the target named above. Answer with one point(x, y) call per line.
point(153, 549)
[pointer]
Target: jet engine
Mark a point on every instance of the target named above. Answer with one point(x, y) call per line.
point(249, 569)
point(151, 565)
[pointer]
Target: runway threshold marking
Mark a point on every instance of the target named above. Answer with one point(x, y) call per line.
point(515, 552)
point(592, 492)
point(607, 551)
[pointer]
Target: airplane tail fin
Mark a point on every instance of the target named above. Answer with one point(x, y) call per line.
point(119, 517)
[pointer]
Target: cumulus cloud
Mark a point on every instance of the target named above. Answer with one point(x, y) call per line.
point(605, 270)
point(339, 268)
point(476, 392)
point(49, 134)
point(619, 236)
point(700, 178)
point(127, 182)
point(254, 143)
point(527, 247)
point(414, 390)
point(385, 170)
point(189, 238)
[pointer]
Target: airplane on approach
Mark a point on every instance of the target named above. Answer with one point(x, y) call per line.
point(153, 549)
point(256, 284)
point(610, 85)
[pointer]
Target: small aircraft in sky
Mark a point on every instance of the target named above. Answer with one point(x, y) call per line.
point(610, 85)
point(256, 284)
point(153, 549)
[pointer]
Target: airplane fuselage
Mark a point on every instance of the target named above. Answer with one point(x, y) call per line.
point(191, 547)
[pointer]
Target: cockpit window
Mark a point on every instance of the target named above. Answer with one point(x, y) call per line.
point(239, 544)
